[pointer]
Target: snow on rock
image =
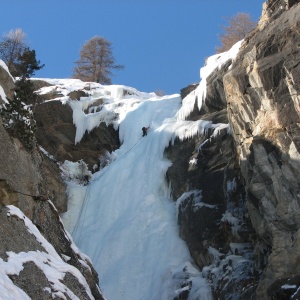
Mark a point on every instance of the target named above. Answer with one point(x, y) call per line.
point(231, 186)
point(4, 66)
point(117, 100)
point(2, 93)
point(48, 261)
point(197, 202)
point(230, 269)
point(199, 94)
point(232, 220)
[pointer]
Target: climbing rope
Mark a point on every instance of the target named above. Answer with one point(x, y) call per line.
point(131, 148)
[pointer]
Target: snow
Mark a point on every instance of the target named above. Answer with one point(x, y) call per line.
point(231, 186)
point(199, 94)
point(51, 157)
point(76, 195)
point(48, 261)
point(288, 286)
point(125, 219)
point(2, 93)
point(196, 198)
point(230, 269)
point(4, 66)
point(193, 161)
point(232, 220)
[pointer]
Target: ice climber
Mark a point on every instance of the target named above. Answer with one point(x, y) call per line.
point(145, 129)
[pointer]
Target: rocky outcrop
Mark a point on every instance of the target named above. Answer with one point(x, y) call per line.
point(33, 239)
point(37, 258)
point(245, 202)
point(56, 132)
point(25, 176)
point(272, 9)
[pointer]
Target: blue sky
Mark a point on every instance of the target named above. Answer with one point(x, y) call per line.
point(161, 43)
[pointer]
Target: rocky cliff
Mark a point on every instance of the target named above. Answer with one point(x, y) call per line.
point(245, 235)
point(37, 256)
point(263, 98)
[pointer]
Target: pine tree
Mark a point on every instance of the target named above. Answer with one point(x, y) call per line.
point(17, 113)
point(26, 65)
point(18, 121)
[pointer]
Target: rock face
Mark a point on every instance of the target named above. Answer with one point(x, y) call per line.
point(263, 107)
point(272, 9)
point(30, 189)
point(56, 133)
point(249, 194)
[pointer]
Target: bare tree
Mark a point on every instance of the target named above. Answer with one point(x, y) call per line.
point(237, 29)
point(96, 61)
point(12, 46)
point(159, 93)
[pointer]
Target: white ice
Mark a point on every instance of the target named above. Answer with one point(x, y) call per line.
point(127, 220)
point(128, 224)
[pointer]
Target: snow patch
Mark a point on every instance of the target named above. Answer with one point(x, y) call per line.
point(233, 221)
point(4, 66)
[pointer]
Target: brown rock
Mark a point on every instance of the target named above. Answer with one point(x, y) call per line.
point(56, 134)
